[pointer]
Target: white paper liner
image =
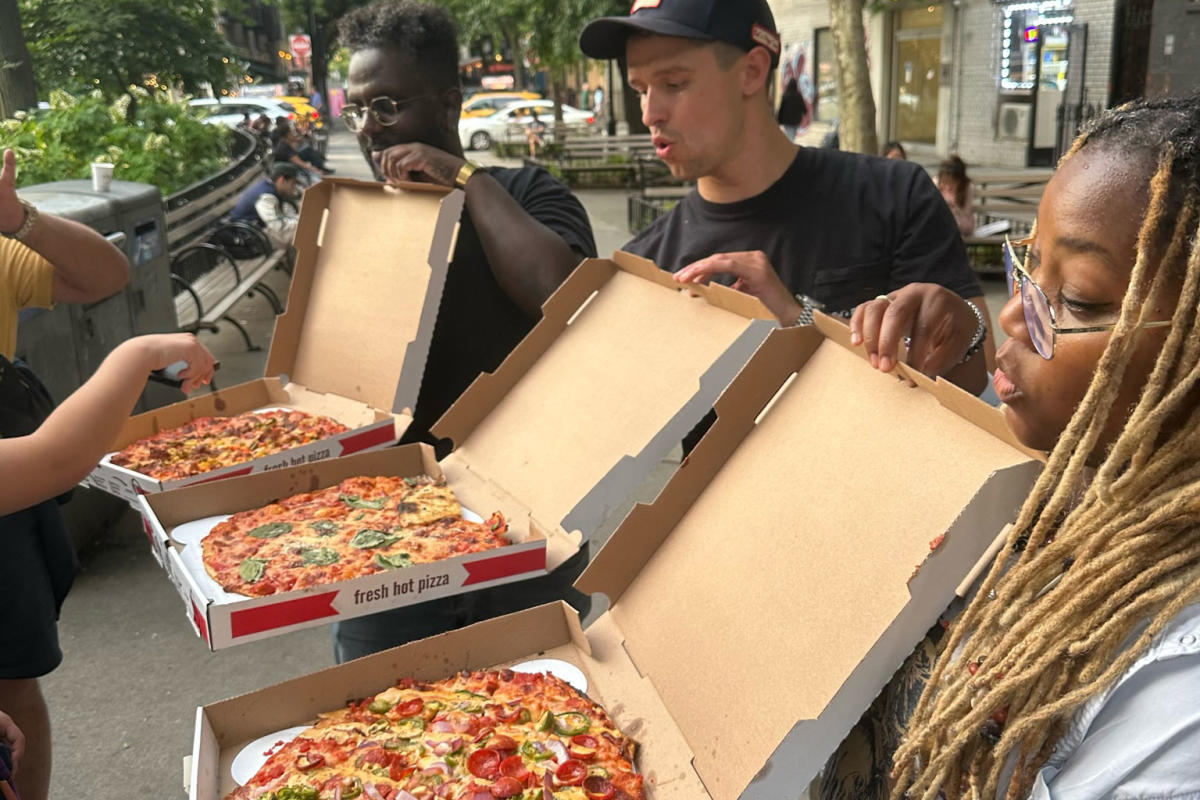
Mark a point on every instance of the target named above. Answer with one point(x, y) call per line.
point(251, 758)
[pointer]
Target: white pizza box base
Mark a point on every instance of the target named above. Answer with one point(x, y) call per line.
point(796, 634)
point(224, 620)
point(370, 267)
point(223, 729)
point(801, 551)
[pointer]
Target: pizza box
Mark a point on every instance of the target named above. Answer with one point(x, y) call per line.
point(175, 521)
point(861, 506)
point(370, 258)
point(622, 365)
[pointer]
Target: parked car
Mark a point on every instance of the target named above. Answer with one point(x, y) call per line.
point(483, 104)
point(508, 123)
point(229, 112)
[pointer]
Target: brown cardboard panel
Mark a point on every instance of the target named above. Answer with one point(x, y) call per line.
point(350, 413)
point(775, 575)
point(253, 491)
point(365, 290)
point(607, 372)
point(716, 294)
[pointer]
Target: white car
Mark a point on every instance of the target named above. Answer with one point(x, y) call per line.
point(508, 123)
point(229, 111)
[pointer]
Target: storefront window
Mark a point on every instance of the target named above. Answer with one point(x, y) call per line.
point(1023, 25)
point(917, 73)
point(825, 103)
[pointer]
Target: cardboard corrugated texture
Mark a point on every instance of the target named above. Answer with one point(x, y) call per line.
point(368, 280)
point(622, 365)
point(773, 571)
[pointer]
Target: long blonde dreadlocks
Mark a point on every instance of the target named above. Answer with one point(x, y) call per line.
point(1085, 584)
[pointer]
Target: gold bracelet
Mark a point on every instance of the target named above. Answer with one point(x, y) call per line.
point(464, 174)
point(31, 215)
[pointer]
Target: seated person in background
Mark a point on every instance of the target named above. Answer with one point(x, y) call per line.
point(287, 150)
point(534, 131)
point(282, 126)
point(261, 126)
point(271, 204)
point(955, 186)
point(82, 429)
point(894, 150)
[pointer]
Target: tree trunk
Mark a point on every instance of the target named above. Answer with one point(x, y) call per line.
point(18, 89)
point(513, 39)
point(856, 128)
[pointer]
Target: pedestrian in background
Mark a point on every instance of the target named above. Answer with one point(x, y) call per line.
point(792, 110)
point(535, 133)
point(956, 189)
point(894, 150)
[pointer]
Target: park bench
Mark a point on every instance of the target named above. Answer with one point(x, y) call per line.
point(216, 262)
point(626, 160)
point(1005, 204)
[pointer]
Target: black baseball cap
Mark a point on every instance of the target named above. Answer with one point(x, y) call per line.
point(743, 23)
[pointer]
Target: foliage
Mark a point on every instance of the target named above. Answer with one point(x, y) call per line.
point(165, 144)
point(111, 45)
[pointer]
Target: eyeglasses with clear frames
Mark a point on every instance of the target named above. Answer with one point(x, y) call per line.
point(384, 109)
point(1039, 314)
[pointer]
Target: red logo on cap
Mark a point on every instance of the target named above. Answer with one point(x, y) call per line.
point(638, 4)
point(767, 38)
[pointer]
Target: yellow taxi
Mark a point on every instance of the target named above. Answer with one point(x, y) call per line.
point(303, 108)
point(486, 103)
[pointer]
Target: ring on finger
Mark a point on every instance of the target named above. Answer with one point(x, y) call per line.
point(883, 297)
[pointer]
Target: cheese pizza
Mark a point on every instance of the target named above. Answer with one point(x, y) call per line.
point(361, 526)
point(475, 736)
point(210, 443)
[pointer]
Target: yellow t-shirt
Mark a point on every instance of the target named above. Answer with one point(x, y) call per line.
point(26, 281)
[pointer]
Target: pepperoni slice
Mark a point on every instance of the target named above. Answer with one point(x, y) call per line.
point(571, 772)
point(410, 708)
point(598, 788)
point(485, 763)
point(514, 767)
point(506, 787)
point(502, 742)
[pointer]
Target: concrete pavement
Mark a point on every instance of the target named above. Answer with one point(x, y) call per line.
point(123, 702)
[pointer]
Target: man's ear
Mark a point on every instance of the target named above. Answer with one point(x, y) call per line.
point(452, 107)
point(756, 68)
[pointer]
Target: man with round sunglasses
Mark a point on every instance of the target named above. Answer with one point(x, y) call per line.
point(521, 234)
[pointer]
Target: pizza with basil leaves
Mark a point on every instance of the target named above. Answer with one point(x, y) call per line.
point(209, 443)
point(475, 736)
point(361, 526)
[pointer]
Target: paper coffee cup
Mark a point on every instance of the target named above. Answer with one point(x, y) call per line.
point(102, 175)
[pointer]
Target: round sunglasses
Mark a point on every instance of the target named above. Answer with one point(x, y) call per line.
point(1040, 320)
point(383, 109)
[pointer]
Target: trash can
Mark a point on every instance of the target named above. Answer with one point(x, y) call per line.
point(131, 216)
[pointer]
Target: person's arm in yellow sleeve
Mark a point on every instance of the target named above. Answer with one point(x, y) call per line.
point(87, 267)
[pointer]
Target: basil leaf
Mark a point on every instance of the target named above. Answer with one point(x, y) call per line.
point(251, 569)
point(367, 538)
point(319, 556)
point(357, 502)
point(397, 561)
point(324, 527)
point(271, 530)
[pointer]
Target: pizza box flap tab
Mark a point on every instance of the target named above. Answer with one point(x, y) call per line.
point(843, 477)
point(370, 268)
point(622, 365)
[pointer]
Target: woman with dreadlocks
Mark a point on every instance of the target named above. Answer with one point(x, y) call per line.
point(1074, 671)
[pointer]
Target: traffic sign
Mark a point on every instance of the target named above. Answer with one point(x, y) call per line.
point(301, 45)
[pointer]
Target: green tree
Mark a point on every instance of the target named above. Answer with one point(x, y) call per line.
point(18, 90)
point(111, 45)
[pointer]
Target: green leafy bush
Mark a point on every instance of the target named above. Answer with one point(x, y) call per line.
point(164, 144)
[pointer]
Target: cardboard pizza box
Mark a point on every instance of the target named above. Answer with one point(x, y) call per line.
point(764, 598)
point(370, 267)
point(175, 521)
point(622, 365)
point(861, 504)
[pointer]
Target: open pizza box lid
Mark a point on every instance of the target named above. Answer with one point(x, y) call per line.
point(366, 285)
point(801, 551)
point(623, 363)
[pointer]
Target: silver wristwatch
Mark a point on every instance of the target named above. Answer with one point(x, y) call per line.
point(31, 215)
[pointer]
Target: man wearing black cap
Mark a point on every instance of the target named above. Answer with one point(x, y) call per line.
point(772, 219)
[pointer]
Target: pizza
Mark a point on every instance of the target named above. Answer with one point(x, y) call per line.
point(209, 443)
point(361, 526)
point(475, 736)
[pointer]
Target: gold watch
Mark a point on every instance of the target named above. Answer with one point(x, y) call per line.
point(31, 215)
point(464, 174)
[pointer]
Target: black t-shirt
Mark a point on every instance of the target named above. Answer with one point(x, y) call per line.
point(478, 325)
point(838, 227)
point(283, 151)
